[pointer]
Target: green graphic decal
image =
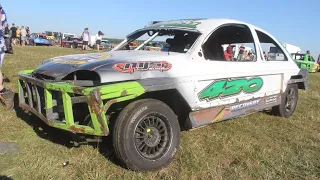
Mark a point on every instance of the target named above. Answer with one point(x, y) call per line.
point(223, 88)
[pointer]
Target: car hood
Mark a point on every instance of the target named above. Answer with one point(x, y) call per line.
point(110, 66)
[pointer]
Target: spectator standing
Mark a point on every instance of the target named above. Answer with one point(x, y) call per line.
point(86, 39)
point(7, 39)
point(98, 39)
point(23, 36)
point(28, 34)
point(230, 50)
point(241, 53)
point(13, 32)
point(4, 93)
point(265, 55)
point(19, 34)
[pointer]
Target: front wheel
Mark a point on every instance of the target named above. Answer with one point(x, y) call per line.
point(146, 135)
point(289, 102)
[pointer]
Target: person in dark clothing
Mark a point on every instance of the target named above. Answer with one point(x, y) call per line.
point(6, 95)
point(13, 32)
point(7, 39)
point(28, 34)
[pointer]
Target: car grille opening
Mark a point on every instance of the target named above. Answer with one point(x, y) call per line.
point(42, 76)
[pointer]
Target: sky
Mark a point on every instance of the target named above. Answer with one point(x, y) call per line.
point(290, 21)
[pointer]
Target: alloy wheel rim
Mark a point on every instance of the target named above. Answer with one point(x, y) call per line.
point(152, 136)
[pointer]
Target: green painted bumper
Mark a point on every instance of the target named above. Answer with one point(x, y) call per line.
point(44, 98)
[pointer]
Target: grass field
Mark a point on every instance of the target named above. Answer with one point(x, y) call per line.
point(258, 146)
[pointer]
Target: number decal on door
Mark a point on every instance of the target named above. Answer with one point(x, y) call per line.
point(225, 88)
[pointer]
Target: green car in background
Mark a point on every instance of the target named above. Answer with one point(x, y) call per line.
point(305, 61)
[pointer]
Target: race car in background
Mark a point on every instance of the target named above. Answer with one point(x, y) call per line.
point(306, 61)
point(42, 40)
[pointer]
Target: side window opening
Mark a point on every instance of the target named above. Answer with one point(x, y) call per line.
point(230, 43)
point(274, 52)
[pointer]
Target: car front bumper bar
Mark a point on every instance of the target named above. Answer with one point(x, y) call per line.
point(42, 98)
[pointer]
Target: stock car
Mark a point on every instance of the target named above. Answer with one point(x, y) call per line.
point(306, 61)
point(145, 98)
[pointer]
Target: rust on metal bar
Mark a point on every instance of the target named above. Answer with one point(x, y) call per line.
point(77, 90)
point(96, 106)
point(124, 93)
point(78, 130)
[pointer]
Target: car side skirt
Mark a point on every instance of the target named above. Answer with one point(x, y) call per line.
point(215, 114)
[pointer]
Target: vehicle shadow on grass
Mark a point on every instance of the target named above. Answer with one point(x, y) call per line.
point(5, 178)
point(62, 137)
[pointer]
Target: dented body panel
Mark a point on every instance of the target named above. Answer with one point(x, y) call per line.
point(37, 97)
point(213, 89)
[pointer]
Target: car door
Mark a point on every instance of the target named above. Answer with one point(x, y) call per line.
point(235, 86)
point(284, 67)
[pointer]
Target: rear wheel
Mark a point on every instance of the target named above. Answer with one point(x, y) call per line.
point(289, 102)
point(146, 135)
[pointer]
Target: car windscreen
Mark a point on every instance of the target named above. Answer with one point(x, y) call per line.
point(179, 40)
point(299, 56)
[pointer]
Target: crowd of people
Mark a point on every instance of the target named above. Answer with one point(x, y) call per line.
point(17, 35)
point(243, 54)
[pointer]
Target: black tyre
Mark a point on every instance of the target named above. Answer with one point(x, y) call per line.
point(289, 102)
point(146, 135)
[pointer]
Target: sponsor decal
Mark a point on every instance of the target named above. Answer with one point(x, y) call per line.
point(271, 99)
point(80, 59)
point(224, 88)
point(244, 105)
point(142, 66)
point(135, 116)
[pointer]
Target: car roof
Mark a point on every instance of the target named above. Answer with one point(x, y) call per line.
point(202, 25)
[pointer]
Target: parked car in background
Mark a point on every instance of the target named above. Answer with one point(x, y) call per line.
point(104, 45)
point(72, 42)
point(306, 61)
point(153, 46)
point(64, 35)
